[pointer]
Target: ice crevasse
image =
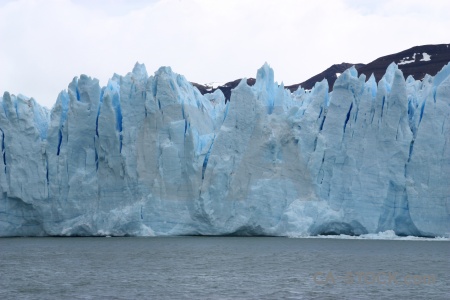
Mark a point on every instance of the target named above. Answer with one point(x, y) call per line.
point(149, 155)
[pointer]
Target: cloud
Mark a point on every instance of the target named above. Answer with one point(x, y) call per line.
point(114, 7)
point(424, 9)
point(47, 43)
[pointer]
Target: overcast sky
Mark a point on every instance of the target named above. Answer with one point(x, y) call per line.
point(44, 44)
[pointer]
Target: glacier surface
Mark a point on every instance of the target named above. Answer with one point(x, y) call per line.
point(149, 155)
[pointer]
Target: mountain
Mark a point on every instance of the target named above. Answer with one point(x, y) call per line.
point(225, 88)
point(150, 155)
point(416, 61)
point(330, 74)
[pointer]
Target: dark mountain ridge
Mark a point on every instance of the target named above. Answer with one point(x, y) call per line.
point(416, 61)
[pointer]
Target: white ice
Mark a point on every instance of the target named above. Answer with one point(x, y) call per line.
point(149, 155)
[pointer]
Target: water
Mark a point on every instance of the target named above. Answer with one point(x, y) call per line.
point(222, 268)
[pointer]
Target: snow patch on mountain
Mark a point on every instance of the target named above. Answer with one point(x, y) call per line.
point(404, 61)
point(426, 57)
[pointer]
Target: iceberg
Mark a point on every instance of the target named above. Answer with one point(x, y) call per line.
point(150, 155)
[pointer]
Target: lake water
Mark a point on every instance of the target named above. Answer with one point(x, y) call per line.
point(223, 268)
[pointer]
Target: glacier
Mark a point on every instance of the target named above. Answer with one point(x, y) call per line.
point(149, 155)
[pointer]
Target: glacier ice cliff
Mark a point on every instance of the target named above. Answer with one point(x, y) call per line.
point(150, 155)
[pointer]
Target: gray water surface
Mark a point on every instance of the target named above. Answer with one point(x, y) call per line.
point(222, 268)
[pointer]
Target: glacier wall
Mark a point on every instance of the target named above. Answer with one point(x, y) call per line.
point(152, 156)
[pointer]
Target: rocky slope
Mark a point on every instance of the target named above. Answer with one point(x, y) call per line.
point(416, 61)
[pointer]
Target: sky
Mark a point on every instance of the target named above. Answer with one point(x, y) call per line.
point(45, 43)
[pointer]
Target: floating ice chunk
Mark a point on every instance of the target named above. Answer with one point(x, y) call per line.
point(385, 235)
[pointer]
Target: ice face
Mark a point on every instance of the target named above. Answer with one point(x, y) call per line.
point(152, 156)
